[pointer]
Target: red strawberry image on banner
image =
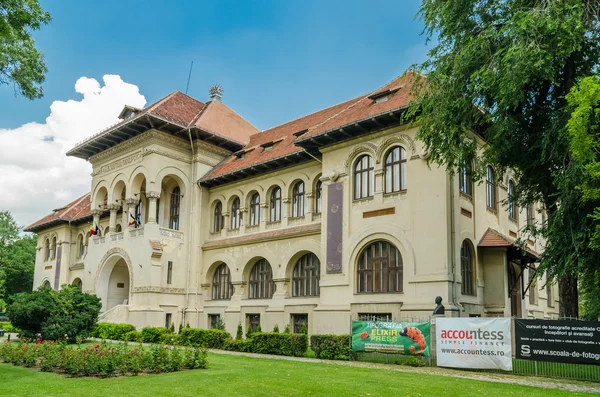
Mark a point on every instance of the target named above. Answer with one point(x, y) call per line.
point(364, 335)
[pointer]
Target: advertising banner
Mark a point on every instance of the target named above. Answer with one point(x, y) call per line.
point(391, 337)
point(558, 340)
point(474, 343)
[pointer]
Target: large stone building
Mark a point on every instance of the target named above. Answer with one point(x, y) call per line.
point(336, 215)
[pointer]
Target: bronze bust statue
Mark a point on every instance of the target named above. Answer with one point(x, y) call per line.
point(439, 309)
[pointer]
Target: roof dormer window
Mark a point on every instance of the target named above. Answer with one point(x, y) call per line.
point(385, 95)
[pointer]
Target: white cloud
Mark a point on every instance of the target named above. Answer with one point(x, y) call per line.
point(35, 174)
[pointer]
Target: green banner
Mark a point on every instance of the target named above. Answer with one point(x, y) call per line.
point(388, 337)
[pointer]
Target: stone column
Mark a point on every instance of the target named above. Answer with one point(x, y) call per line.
point(264, 215)
point(310, 208)
point(378, 182)
point(131, 203)
point(125, 215)
point(152, 199)
point(285, 210)
point(244, 219)
point(112, 224)
point(96, 214)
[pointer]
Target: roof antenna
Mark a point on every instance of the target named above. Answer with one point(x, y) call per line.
point(189, 76)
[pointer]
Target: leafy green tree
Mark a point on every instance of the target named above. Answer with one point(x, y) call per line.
point(503, 69)
point(17, 258)
point(20, 62)
point(240, 332)
point(65, 314)
point(584, 129)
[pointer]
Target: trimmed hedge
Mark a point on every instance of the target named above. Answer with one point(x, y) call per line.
point(210, 338)
point(154, 335)
point(112, 331)
point(7, 327)
point(280, 344)
point(331, 347)
point(131, 336)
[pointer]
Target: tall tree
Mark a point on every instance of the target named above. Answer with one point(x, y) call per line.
point(504, 68)
point(17, 258)
point(20, 62)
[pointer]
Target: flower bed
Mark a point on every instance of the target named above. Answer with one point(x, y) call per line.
point(104, 359)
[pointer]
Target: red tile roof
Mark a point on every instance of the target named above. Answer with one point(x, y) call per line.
point(493, 238)
point(76, 210)
point(217, 118)
point(315, 124)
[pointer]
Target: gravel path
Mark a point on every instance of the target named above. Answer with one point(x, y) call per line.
point(547, 383)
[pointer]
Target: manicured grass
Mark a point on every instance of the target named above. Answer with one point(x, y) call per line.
point(244, 376)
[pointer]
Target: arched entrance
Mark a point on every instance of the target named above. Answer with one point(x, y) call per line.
point(113, 283)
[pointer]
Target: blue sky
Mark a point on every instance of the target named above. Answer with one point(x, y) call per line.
point(276, 60)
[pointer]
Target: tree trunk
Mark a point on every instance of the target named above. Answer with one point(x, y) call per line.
point(568, 297)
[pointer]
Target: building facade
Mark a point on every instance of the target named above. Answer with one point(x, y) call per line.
point(334, 216)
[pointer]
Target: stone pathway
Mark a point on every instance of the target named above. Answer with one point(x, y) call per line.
point(570, 385)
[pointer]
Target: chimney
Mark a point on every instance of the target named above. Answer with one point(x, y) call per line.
point(216, 92)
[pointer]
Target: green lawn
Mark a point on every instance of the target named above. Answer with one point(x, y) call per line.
point(244, 376)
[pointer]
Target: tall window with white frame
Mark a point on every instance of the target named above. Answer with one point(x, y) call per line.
point(53, 249)
point(364, 177)
point(218, 217)
point(533, 299)
point(169, 272)
point(467, 269)
point(298, 200)
point(236, 215)
point(318, 197)
point(80, 247)
point(46, 249)
point(222, 289)
point(512, 207)
point(254, 210)
point(490, 188)
point(275, 205)
point(395, 170)
point(306, 274)
point(465, 181)
point(379, 269)
point(175, 203)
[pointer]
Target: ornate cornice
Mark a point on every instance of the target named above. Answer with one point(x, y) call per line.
point(166, 153)
point(150, 136)
point(160, 290)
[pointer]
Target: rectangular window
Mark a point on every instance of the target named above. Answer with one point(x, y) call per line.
point(168, 320)
point(213, 320)
point(253, 321)
point(300, 323)
point(169, 272)
point(375, 316)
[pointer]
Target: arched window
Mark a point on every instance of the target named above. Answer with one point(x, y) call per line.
point(298, 199)
point(305, 281)
point(261, 285)
point(466, 269)
point(46, 249)
point(221, 284)
point(275, 205)
point(236, 215)
point(512, 208)
point(174, 214)
point(254, 209)
point(118, 228)
point(395, 170)
point(380, 268)
point(46, 284)
point(465, 182)
point(80, 247)
point(218, 217)
point(490, 188)
point(77, 283)
point(318, 197)
point(53, 249)
point(364, 180)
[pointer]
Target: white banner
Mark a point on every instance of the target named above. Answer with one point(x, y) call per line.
point(469, 342)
